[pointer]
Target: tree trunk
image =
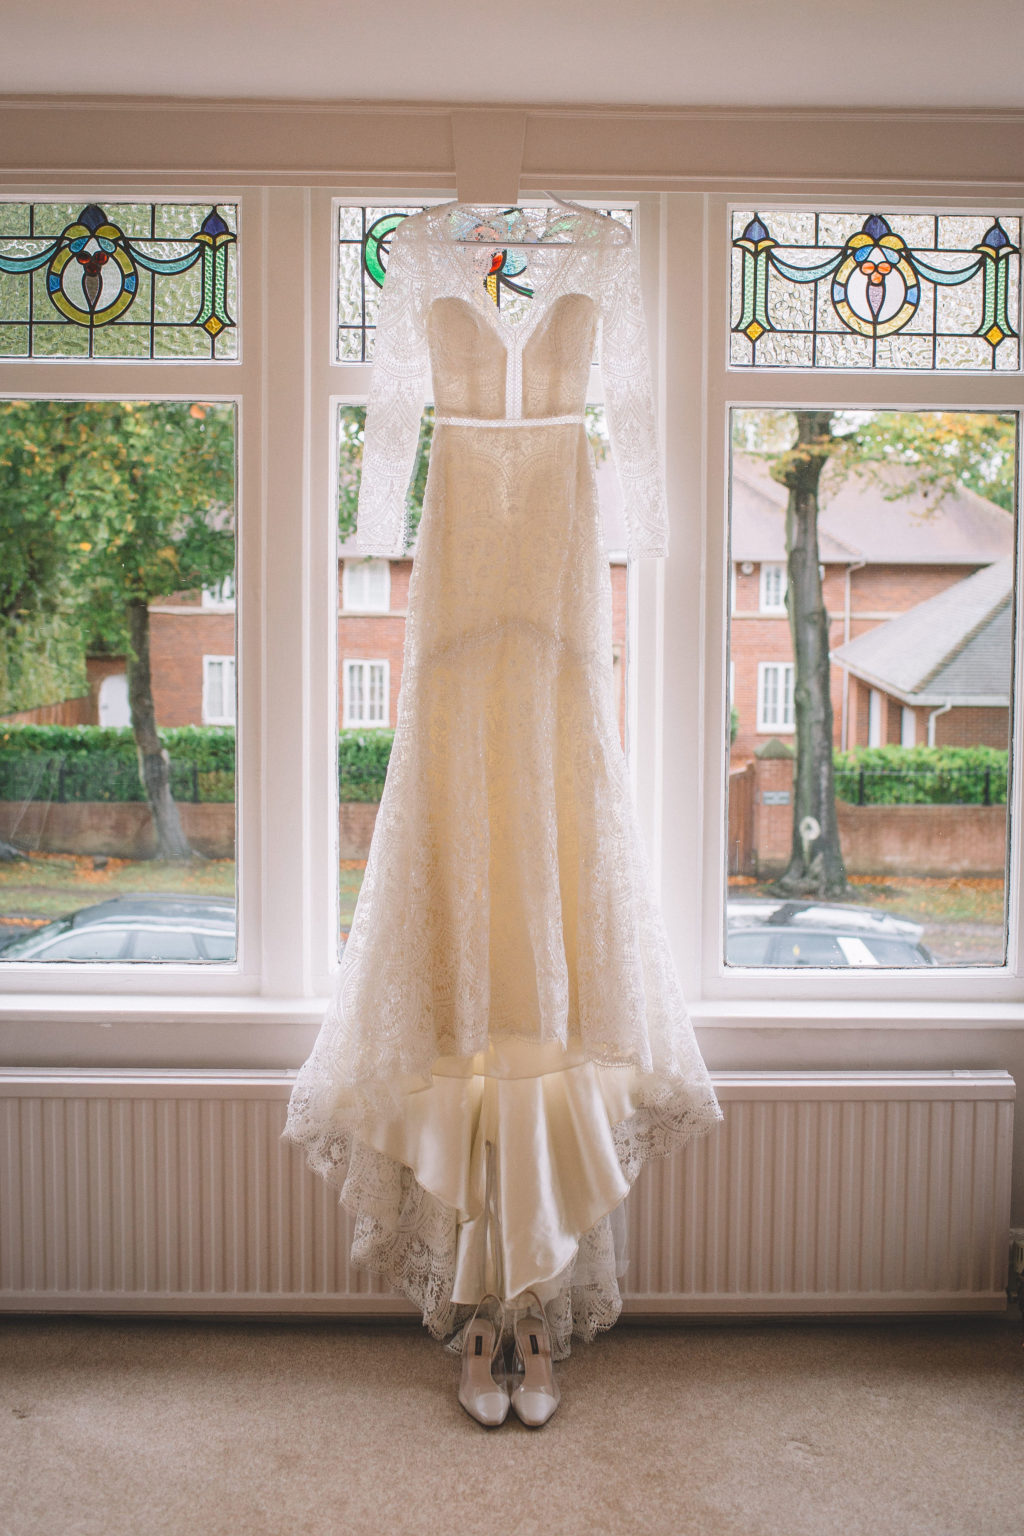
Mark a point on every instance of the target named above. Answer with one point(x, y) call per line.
point(154, 769)
point(816, 860)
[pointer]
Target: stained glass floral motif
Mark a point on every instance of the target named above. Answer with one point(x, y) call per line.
point(121, 280)
point(841, 290)
point(364, 238)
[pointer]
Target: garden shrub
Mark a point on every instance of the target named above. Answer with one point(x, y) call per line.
point(897, 775)
point(88, 762)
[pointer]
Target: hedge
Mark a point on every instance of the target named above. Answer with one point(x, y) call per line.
point(922, 775)
point(88, 762)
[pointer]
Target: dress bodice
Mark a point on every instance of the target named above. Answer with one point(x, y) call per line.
point(439, 329)
point(470, 360)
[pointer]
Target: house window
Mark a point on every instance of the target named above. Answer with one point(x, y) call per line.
point(773, 588)
point(366, 586)
point(775, 696)
point(875, 718)
point(218, 690)
point(366, 693)
point(221, 595)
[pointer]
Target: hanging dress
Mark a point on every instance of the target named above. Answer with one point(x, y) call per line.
point(507, 979)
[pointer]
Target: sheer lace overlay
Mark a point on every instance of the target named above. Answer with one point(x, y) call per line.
point(507, 975)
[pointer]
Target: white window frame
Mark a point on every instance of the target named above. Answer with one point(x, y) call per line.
point(876, 718)
point(356, 596)
point(263, 1011)
point(908, 726)
point(772, 725)
point(351, 718)
point(213, 716)
point(773, 575)
point(728, 994)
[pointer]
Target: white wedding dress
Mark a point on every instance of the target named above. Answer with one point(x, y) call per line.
point(507, 979)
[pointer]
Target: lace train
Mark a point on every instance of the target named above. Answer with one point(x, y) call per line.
point(409, 1237)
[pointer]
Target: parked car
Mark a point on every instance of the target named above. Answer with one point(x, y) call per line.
point(763, 932)
point(196, 929)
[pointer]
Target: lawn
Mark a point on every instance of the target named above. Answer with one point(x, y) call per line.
point(46, 885)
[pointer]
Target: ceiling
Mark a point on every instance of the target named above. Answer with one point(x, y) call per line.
point(670, 53)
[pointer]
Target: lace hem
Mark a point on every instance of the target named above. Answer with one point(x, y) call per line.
point(409, 1238)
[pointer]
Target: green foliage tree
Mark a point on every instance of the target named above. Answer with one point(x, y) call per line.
point(108, 506)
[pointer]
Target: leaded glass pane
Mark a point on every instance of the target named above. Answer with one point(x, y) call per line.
point(364, 236)
point(119, 280)
point(918, 291)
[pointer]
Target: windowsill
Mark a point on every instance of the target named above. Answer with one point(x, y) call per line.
point(874, 1014)
point(107, 1010)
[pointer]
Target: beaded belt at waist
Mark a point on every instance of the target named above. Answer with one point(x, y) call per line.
point(509, 421)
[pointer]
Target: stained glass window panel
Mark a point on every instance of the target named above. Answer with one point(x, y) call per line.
point(917, 291)
point(119, 280)
point(364, 237)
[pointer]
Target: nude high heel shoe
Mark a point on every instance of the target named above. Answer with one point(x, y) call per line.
point(535, 1394)
point(484, 1397)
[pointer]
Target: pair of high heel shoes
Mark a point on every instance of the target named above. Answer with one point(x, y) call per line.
point(484, 1389)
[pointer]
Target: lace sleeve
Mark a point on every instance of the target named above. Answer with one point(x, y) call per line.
point(398, 388)
point(629, 403)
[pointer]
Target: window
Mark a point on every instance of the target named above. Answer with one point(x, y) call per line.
point(221, 594)
point(773, 588)
point(366, 586)
point(775, 696)
point(366, 693)
point(115, 512)
point(927, 291)
point(898, 675)
point(122, 280)
point(908, 727)
point(218, 690)
point(684, 635)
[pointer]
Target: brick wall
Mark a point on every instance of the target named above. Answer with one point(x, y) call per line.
point(179, 639)
point(984, 727)
point(929, 840)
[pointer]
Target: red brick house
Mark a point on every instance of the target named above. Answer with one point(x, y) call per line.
point(882, 555)
point(939, 675)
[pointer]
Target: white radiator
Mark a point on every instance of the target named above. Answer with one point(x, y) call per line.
point(841, 1192)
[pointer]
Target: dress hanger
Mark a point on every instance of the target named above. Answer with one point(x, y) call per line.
point(505, 245)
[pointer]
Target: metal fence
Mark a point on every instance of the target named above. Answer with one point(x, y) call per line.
point(971, 784)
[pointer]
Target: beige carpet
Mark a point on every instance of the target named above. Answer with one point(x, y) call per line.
point(151, 1428)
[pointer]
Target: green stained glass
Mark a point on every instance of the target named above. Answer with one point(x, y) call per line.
point(14, 219)
point(110, 279)
point(916, 291)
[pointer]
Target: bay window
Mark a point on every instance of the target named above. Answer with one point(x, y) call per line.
point(292, 360)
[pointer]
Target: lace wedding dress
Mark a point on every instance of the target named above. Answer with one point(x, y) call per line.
point(507, 980)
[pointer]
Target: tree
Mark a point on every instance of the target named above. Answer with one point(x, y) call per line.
point(816, 860)
point(138, 501)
